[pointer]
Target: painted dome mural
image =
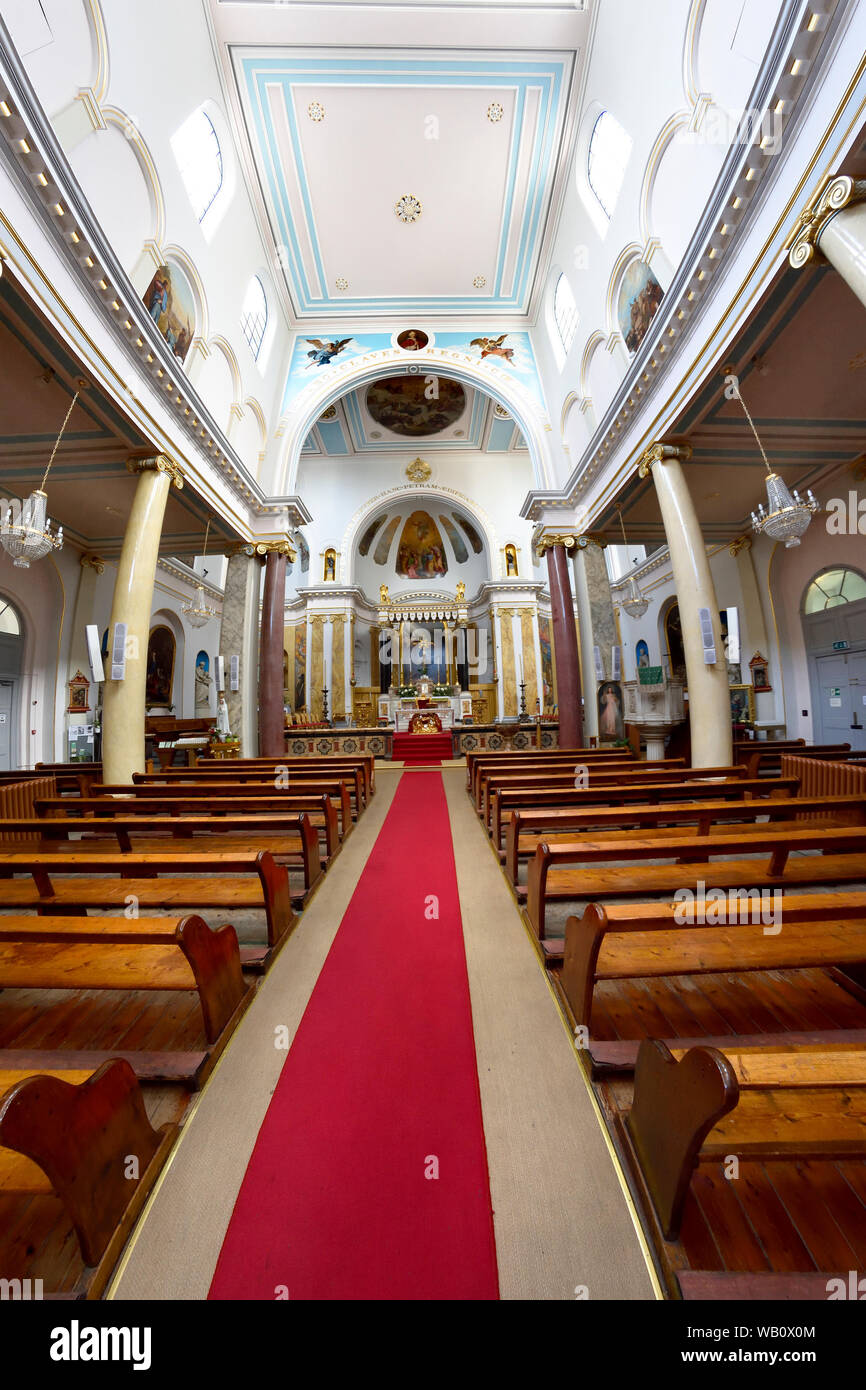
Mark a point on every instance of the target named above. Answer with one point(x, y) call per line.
point(401, 404)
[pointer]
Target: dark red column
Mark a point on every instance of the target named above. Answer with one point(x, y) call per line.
point(272, 743)
point(565, 650)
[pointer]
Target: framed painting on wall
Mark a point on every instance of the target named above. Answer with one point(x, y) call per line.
point(742, 704)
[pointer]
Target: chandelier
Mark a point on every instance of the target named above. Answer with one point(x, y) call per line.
point(786, 515)
point(198, 611)
point(31, 537)
point(634, 604)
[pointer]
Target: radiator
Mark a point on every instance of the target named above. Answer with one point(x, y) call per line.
point(17, 802)
point(819, 778)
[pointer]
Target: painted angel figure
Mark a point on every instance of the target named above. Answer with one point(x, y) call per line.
point(492, 347)
point(323, 352)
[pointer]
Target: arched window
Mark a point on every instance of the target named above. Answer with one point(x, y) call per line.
point(254, 316)
point(10, 624)
point(200, 160)
point(606, 160)
point(564, 314)
point(832, 588)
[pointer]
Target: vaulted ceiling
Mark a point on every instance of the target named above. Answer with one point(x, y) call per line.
point(348, 429)
point(402, 180)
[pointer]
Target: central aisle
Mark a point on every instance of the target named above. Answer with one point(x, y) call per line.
point(369, 1178)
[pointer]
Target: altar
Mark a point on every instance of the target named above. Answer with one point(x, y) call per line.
point(404, 702)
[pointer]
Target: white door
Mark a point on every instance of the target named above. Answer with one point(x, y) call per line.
point(842, 699)
point(857, 686)
point(7, 689)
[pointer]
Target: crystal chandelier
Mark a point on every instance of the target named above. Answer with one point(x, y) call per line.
point(634, 604)
point(786, 515)
point(198, 611)
point(31, 537)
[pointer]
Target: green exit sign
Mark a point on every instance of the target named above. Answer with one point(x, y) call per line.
point(840, 646)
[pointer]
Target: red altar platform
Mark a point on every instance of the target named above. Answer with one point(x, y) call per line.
point(421, 749)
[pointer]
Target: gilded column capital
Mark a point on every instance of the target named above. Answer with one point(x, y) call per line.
point(548, 539)
point(591, 538)
point(834, 192)
point(160, 463)
point(658, 453)
point(264, 548)
point(741, 543)
point(92, 562)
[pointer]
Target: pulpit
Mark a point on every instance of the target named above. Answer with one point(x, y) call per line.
point(655, 706)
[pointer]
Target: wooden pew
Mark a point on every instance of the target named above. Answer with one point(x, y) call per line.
point(324, 762)
point(624, 774)
point(476, 756)
point(267, 776)
point(253, 797)
point(119, 953)
point(71, 1133)
point(763, 1103)
point(165, 882)
point(527, 829)
point(87, 815)
point(770, 755)
point(292, 840)
point(576, 872)
point(620, 941)
point(544, 758)
point(548, 801)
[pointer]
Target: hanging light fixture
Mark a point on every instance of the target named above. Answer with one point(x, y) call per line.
point(786, 515)
point(31, 537)
point(198, 611)
point(635, 604)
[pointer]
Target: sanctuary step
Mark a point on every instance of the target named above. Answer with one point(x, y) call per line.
point(421, 749)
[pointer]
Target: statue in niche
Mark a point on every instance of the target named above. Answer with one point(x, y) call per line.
point(461, 591)
point(383, 593)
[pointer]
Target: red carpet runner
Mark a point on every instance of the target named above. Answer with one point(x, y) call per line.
point(379, 1088)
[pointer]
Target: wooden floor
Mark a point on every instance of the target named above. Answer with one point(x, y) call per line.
point(36, 1239)
point(784, 1217)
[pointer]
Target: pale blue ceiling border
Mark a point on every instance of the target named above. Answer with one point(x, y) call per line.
point(547, 76)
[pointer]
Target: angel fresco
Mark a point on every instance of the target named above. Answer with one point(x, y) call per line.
point(492, 347)
point(324, 351)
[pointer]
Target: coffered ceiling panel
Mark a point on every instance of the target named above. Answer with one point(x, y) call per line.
point(414, 182)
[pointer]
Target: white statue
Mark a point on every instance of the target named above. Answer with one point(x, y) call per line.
point(202, 687)
point(222, 719)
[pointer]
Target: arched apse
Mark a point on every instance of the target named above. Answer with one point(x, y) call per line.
point(338, 381)
point(432, 499)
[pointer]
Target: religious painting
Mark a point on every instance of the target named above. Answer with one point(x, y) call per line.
point(610, 722)
point(202, 681)
point(674, 640)
point(323, 350)
point(412, 339)
point(300, 666)
point(474, 539)
point(422, 553)
point(742, 704)
point(367, 539)
point(458, 545)
point(760, 672)
point(304, 552)
point(170, 303)
point(79, 689)
point(416, 405)
point(641, 654)
point(640, 295)
point(493, 347)
point(160, 667)
point(383, 544)
point(546, 659)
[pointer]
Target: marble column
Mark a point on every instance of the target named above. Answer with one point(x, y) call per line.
point(564, 639)
point(709, 701)
point(338, 667)
point(239, 636)
point(124, 700)
point(317, 665)
point(272, 743)
point(832, 227)
point(586, 642)
point(530, 667)
point(507, 670)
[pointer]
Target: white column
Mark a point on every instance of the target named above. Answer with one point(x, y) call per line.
point(833, 225)
point(709, 701)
